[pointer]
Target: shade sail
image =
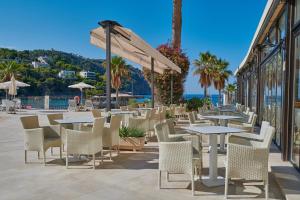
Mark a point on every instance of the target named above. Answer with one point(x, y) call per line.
point(125, 43)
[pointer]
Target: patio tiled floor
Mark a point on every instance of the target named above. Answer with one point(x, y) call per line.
point(129, 176)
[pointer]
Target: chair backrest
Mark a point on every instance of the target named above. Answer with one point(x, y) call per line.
point(195, 114)
point(53, 117)
point(88, 103)
point(30, 122)
point(250, 114)
point(98, 131)
point(191, 118)
point(124, 108)
point(115, 124)
point(162, 132)
point(270, 131)
point(263, 129)
point(253, 121)
point(96, 113)
point(171, 126)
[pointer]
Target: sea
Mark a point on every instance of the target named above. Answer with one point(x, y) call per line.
point(61, 102)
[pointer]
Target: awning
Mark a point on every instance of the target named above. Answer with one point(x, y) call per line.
point(125, 43)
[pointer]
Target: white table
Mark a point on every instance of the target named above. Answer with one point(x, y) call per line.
point(213, 132)
point(224, 118)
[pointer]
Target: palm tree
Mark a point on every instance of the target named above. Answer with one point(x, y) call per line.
point(8, 69)
point(230, 89)
point(119, 69)
point(176, 24)
point(220, 75)
point(204, 68)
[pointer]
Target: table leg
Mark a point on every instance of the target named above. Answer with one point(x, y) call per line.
point(222, 137)
point(213, 179)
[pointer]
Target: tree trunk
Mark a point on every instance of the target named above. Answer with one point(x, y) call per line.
point(176, 24)
point(205, 92)
point(220, 98)
point(117, 98)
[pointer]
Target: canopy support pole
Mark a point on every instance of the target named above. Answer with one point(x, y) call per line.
point(108, 66)
point(171, 102)
point(152, 82)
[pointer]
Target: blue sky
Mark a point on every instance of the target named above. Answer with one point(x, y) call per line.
point(225, 28)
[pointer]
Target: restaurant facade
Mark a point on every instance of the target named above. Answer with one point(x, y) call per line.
point(268, 79)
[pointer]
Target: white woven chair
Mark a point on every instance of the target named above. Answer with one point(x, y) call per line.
point(38, 138)
point(253, 136)
point(85, 142)
point(142, 122)
point(96, 113)
point(169, 161)
point(72, 105)
point(248, 159)
point(111, 138)
point(88, 105)
point(249, 126)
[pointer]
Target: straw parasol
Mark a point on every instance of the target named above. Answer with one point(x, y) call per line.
point(12, 90)
point(17, 84)
point(81, 86)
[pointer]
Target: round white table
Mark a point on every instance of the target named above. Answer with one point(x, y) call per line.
point(212, 131)
point(225, 119)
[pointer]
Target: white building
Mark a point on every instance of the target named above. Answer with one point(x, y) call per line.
point(42, 62)
point(87, 74)
point(66, 74)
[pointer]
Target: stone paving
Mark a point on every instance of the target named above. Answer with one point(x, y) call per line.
point(131, 175)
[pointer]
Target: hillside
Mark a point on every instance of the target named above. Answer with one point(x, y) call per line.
point(45, 80)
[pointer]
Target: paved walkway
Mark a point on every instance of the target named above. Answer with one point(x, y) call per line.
point(129, 176)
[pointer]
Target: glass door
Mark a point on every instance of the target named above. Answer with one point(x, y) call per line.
point(295, 143)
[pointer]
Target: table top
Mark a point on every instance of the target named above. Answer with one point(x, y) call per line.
point(224, 117)
point(75, 120)
point(212, 129)
point(227, 110)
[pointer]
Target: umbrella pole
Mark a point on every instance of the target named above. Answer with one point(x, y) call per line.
point(81, 95)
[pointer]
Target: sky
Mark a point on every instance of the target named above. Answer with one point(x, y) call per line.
point(225, 28)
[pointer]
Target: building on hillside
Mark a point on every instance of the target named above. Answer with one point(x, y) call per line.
point(87, 74)
point(66, 74)
point(268, 78)
point(42, 62)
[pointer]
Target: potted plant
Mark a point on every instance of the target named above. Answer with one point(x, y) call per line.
point(131, 138)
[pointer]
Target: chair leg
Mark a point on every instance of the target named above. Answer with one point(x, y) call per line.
point(44, 155)
point(25, 156)
point(168, 176)
point(60, 153)
point(67, 160)
point(226, 185)
point(102, 156)
point(93, 161)
point(193, 184)
point(267, 189)
point(38, 155)
point(159, 180)
point(51, 151)
point(110, 153)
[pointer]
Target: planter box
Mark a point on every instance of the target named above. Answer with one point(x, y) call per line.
point(132, 143)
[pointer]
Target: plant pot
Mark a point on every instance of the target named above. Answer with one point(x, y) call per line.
point(132, 143)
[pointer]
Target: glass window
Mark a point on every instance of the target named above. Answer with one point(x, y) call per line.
point(297, 11)
point(282, 26)
point(296, 128)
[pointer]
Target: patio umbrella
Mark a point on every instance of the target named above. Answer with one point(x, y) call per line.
point(6, 85)
point(12, 90)
point(81, 86)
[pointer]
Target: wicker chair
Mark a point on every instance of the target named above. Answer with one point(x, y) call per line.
point(111, 138)
point(248, 159)
point(253, 136)
point(88, 105)
point(178, 154)
point(141, 122)
point(249, 126)
point(96, 113)
point(85, 142)
point(53, 124)
point(38, 138)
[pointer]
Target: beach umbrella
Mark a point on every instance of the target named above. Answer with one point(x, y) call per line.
point(12, 90)
point(81, 86)
point(6, 85)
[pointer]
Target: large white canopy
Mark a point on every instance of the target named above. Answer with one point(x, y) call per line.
point(125, 43)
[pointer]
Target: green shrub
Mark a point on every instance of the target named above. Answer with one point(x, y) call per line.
point(194, 103)
point(130, 132)
point(133, 103)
